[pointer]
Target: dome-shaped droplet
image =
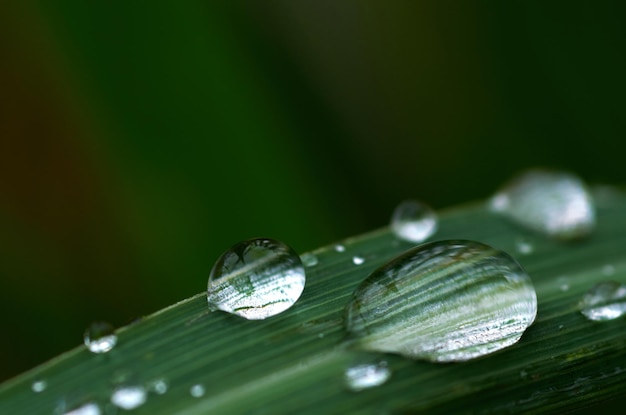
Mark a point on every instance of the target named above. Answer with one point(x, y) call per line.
point(100, 337)
point(358, 260)
point(197, 390)
point(129, 397)
point(90, 408)
point(39, 386)
point(309, 259)
point(604, 301)
point(413, 221)
point(158, 386)
point(443, 301)
point(367, 375)
point(256, 279)
point(555, 203)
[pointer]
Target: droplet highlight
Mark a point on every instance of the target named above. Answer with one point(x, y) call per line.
point(129, 397)
point(358, 260)
point(90, 408)
point(604, 301)
point(443, 301)
point(340, 248)
point(551, 202)
point(366, 376)
point(524, 246)
point(100, 337)
point(413, 221)
point(256, 279)
point(197, 391)
point(39, 386)
point(159, 386)
point(309, 259)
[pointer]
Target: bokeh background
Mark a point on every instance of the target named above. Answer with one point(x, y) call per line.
point(139, 141)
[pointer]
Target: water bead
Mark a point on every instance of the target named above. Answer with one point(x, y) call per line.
point(100, 337)
point(443, 301)
point(555, 203)
point(256, 279)
point(90, 408)
point(604, 301)
point(129, 397)
point(413, 221)
point(197, 391)
point(365, 376)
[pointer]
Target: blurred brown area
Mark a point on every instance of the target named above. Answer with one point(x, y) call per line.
point(139, 142)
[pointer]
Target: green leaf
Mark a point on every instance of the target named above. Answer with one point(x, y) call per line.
point(295, 362)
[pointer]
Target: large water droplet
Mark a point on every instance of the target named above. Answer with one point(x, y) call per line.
point(100, 337)
point(90, 408)
point(39, 386)
point(129, 397)
point(443, 301)
point(604, 301)
point(256, 279)
point(197, 391)
point(365, 376)
point(555, 203)
point(413, 221)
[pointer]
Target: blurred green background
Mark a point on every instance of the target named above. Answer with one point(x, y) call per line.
point(138, 142)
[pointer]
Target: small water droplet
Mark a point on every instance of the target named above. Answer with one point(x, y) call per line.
point(197, 391)
point(358, 260)
point(561, 326)
point(524, 246)
point(159, 386)
point(39, 386)
point(563, 283)
point(555, 203)
point(413, 221)
point(365, 376)
point(256, 279)
point(309, 260)
point(100, 337)
point(608, 270)
point(443, 301)
point(129, 397)
point(604, 301)
point(340, 248)
point(90, 408)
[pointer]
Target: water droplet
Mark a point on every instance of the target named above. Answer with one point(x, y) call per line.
point(90, 408)
point(159, 386)
point(413, 221)
point(100, 337)
point(129, 397)
point(443, 301)
point(524, 246)
point(197, 390)
point(608, 270)
point(39, 386)
point(604, 301)
point(309, 260)
point(358, 260)
point(340, 248)
point(256, 279)
point(365, 376)
point(563, 283)
point(555, 203)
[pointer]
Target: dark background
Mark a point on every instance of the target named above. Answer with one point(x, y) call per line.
point(138, 142)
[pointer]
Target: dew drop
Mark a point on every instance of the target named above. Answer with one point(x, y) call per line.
point(256, 279)
point(608, 270)
point(159, 386)
point(39, 386)
point(604, 301)
point(555, 203)
point(129, 397)
point(443, 301)
point(358, 260)
point(309, 260)
point(100, 337)
point(197, 391)
point(413, 221)
point(90, 408)
point(340, 248)
point(365, 376)
point(524, 246)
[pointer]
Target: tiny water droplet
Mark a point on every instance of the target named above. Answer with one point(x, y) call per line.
point(309, 259)
point(256, 279)
point(90, 408)
point(563, 283)
point(129, 397)
point(358, 260)
point(39, 386)
point(443, 301)
point(340, 248)
point(413, 221)
point(159, 386)
point(608, 270)
point(100, 337)
point(604, 301)
point(365, 376)
point(524, 246)
point(555, 203)
point(197, 391)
